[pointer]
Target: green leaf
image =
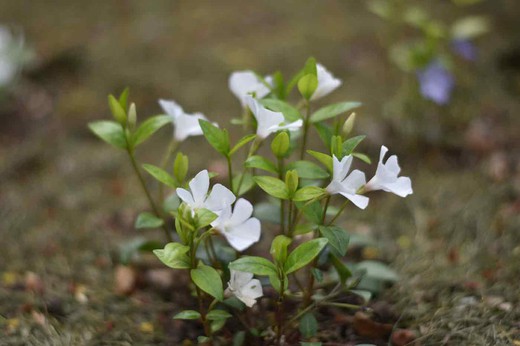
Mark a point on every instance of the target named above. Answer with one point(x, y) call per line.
point(325, 132)
point(149, 127)
point(148, 220)
point(350, 144)
point(342, 270)
point(239, 338)
point(243, 141)
point(279, 248)
point(291, 182)
point(290, 113)
point(304, 254)
point(247, 183)
point(123, 98)
point(272, 186)
point(215, 315)
point(217, 325)
point(208, 280)
point(174, 255)
point(333, 110)
point(109, 131)
point(260, 162)
point(310, 67)
point(217, 138)
point(308, 170)
point(338, 239)
point(318, 275)
point(307, 86)
point(308, 325)
point(204, 217)
point(160, 174)
point(276, 283)
point(117, 111)
point(307, 193)
point(281, 144)
point(362, 157)
point(312, 211)
point(325, 159)
point(336, 146)
point(254, 264)
point(180, 168)
point(187, 315)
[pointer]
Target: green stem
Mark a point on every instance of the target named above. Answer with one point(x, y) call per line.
point(252, 150)
point(343, 206)
point(172, 147)
point(145, 189)
point(306, 123)
point(230, 172)
point(282, 202)
point(279, 312)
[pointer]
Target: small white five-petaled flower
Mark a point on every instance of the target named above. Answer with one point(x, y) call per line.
point(269, 121)
point(346, 184)
point(386, 177)
point(327, 83)
point(218, 199)
point(185, 125)
point(244, 287)
point(244, 83)
point(237, 226)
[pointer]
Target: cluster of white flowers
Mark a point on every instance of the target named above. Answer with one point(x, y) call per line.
point(235, 222)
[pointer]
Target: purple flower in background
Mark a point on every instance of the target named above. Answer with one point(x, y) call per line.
point(436, 82)
point(465, 49)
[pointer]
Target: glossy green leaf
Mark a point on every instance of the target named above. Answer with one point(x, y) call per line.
point(149, 127)
point(109, 131)
point(243, 141)
point(343, 272)
point(308, 325)
point(307, 86)
point(290, 112)
point(325, 159)
point(217, 314)
point(272, 186)
point(350, 144)
point(255, 265)
point(308, 170)
point(304, 254)
point(260, 162)
point(160, 174)
point(281, 144)
point(362, 157)
point(208, 280)
point(174, 255)
point(187, 315)
point(217, 138)
point(279, 248)
point(204, 217)
point(247, 183)
point(333, 110)
point(180, 168)
point(338, 239)
point(325, 132)
point(307, 193)
point(117, 111)
point(148, 220)
point(123, 98)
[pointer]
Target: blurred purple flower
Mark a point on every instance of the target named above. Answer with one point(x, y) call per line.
point(465, 49)
point(436, 83)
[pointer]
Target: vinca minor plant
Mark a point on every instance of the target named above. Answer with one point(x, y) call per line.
point(303, 191)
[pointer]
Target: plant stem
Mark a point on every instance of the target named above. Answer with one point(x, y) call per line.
point(252, 149)
point(172, 147)
point(343, 206)
point(230, 172)
point(279, 312)
point(282, 202)
point(147, 193)
point(305, 128)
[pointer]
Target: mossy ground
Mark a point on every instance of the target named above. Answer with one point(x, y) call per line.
point(67, 201)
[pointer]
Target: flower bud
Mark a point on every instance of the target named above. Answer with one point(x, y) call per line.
point(291, 181)
point(132, 116)
point(280, 145)
point(117, 111)
point(349, 124)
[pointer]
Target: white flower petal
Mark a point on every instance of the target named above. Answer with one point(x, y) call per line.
point(386, 177)
point(242, 236)
point(358, 200)
point(239, 279)
point(171, 108)
point(199, 187)
point(252, 289)
point(402, 187)
point(244, 83)
point(327, 83)
point(219, 197)
point(187, 125)
point(185, 196)
point(354, 181)
point(242, 211)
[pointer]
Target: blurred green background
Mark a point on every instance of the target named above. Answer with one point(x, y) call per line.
point(67, 200)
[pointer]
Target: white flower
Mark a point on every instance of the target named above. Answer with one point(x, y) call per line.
point(219, 198)
point(347, 185)
point(238, 227)
point(244, 287)
point(386, 178)
point(185, 124)
point(244, 83)
point(269, 121)
point(327, 83)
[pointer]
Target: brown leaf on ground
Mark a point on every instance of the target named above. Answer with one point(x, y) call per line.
point(402, 337)
point(124, 280)
point(365, 326)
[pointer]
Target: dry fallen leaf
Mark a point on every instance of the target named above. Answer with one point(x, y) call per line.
point(364, 326)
